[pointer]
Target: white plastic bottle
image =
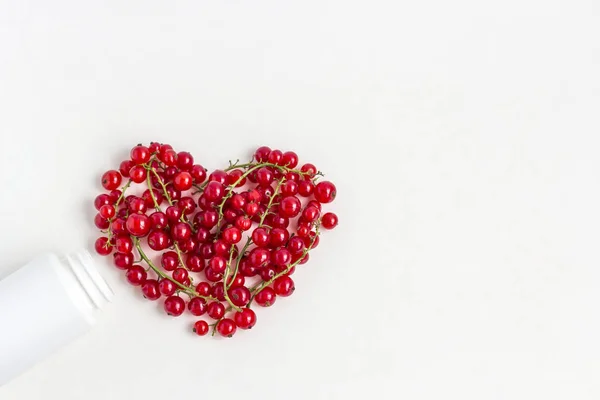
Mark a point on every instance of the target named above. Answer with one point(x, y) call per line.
point(45, 305)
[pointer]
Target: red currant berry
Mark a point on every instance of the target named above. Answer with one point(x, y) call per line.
point(232, 235)
point(173, 213)
point(137, 174)
point(167, 287)
point(284, 286)
point(214, 191)
point(212, 275)
point(200, 328)
point(138, 224)
point(305, 188)
point(124, 244)
point(303, 230)
point(136, 275)
point(140, 154)
point(203, 289)
point(226, 327)
point(111, 180)
point(206, 251)
point(254, 196)
point(215, 310)
point(209, 219)
point(314, 203)
point(310, 214)
point(247, 269)
point(238, 202)
point(276, 157)
point(169, 260)
point(197, 306)
point(150, 289)
point(290, 207)
point(124, 168)
point(102, 200)
point(295, 245)
point(218, 292)
point(239, 295)
point(198, 173)
point(218, 176)
point(290, 159)
point(170, 173)
point(238, 280)
point(194, 262)
point(158, 240)
point(266, 273)
point(137, 205)
point(183, 181)
point(147, 197)
point(325, 192)
point(221, 248)
point(168, 157)
point(259, 257)
point(100, 222)
point(174, 306)
point(181, 232)
point(243, 223)
point(277, 221)
point(229, 215)
point(218, 264)
point(118, 226)
point(329, 220)
point(158, 220)
point(281, 257)
point(266, 297)
point(103, 246)
point(173, 193)
point(264, 176)
point(309, 170)
point(123, 260)
point(260, 237)
point(185, 160)
point(289, 188)
point(187, 205)
point(262, 154)
point(251, 209)
point(245, 319)
point(292, 176)
point(154, 147)
point(278, 237)
point(234, 178)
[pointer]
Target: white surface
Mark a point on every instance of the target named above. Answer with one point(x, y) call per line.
point(463, 139)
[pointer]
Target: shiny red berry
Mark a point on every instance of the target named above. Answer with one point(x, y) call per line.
point(245, 319)
point(138, 224)
point(183, 181)
point(329, 220)
point(174, 306)
point(197, 306)
point(111, 180)
point(150, 289)
point(215, 310)
point(283, 286)
point(136, 275)
point(266, 297)
point(201, 328)
point(103, 246)
point(140, 154)
point(325, 192)
point(226, 327)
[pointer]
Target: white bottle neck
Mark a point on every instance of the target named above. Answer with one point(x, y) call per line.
point(83, 267)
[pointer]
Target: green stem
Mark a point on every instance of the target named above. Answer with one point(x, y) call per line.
point(225, 276)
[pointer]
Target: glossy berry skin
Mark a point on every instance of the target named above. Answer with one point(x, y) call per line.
point(310, 214)
point(137, 174)
point(279, 237)
point(218, 176)
point(101, 223)
point(136, 275)
point(239, 295)
point(111, 180)
point(197, 306)
point(174, 306)
point(138, 224)
point(102, 246)
point(289, 159)
point(102, 200)
point(247, 269)
point(187, 205)
point(215, 310)
point(289, 188)
point(232, 235)
point(325, 192)
point(290, 207)
point(262, 154)
point(123, 244)
point(267, 272)
point(214, 191)
point(243, 223)
point(245, 319)
point(261, 237)
point(266, 297)
point(173, 213)
point(221, 248)
point(295, 245)
point(264, 176)
point(107, 211)
point(209, 219)
point(276, 157)
point(158, 220)
point(183, 181)
point(238, 201)
point(180, 275)
point(218, 292)
point(259, 257)
point(218, 264)
point(181, 232)
point(203, 289)
point(123, 260)
point(185, 160)
point(305, 188)
point(124, 168)
point(283, 286)
point(169, 260)
point(329, 220)
point(201, 328)
point(281, 257)
point(211, 275)
point(308, 170)
point(195, 263)
point(158, 240)
point(167, 287)
point(150, 289)
point(198, 173)
point(140, 155)
point(234, 178)
point(226, 327)
point(137, 205)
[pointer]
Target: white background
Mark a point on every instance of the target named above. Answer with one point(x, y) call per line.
point(463, 139)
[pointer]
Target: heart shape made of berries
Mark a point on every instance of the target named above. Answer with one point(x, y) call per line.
point(215, 243)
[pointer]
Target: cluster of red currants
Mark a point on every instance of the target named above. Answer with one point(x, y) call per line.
point(223, 240)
